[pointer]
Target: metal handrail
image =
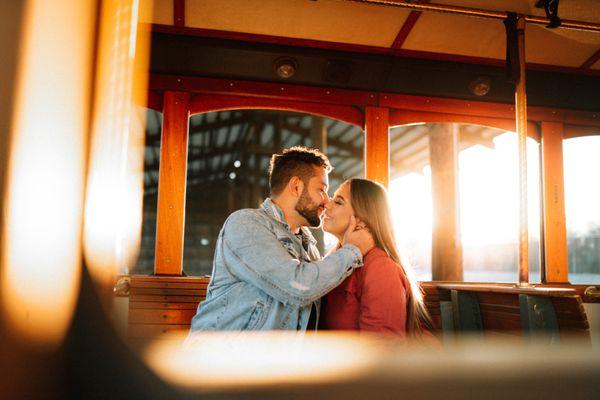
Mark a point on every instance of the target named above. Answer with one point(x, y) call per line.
point(481, 13)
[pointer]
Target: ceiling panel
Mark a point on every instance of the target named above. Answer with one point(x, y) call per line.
point(545, 46)
point(455, 34)
point(327, 20)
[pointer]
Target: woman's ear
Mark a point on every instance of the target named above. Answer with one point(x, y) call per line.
point(360, 224)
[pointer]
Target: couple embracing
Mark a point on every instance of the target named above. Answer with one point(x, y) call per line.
point(268, 273)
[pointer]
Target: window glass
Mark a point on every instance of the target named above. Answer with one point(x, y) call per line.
point(582, 207)
point(228, 159)
point(488, 200)
point(145, 262)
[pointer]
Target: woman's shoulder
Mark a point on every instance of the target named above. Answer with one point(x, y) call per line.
point(379, 265)
point(378, 256)
point(377, 261)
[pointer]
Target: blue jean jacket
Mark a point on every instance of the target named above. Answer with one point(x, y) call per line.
point(264, 278)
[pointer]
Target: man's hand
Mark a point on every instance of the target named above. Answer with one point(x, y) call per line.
point(360, 237)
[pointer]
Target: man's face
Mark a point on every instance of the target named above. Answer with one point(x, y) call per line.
point(312, 200)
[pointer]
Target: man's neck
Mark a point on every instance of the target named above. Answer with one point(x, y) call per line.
point(289, 215)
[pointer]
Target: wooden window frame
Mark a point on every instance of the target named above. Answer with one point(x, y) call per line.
point(376, 112)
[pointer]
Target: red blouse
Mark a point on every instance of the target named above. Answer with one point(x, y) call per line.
point(374, 298)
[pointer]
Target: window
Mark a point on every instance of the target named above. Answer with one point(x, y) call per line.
point(228, 158)
point(484, 189)
point(582, 207)
point(145, 262)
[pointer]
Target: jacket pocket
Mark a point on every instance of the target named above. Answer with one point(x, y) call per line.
point(256, 317)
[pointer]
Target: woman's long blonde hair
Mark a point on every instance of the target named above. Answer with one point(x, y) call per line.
point(370, 203)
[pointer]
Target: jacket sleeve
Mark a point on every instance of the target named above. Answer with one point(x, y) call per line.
point(253, 254)
point(383, 298)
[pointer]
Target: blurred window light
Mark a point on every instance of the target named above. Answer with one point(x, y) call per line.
point(41, 253)
point(113, 209)
point(582, 199)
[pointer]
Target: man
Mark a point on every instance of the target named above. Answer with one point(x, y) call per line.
point(267, 271)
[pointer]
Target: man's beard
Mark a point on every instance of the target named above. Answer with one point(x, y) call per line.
point(308, 209)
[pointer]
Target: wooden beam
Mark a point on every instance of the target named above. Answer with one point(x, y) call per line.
point(355, 48)
point(407, 27)
point(591, 61)
point(172, 177)
point(377, 144)
point(555, 230)
point(446, 249)
point(179, 13)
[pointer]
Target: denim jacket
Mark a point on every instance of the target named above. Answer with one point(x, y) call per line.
point(263, 278)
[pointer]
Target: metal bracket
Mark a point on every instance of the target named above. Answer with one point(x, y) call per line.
point(467, 315)
point(538, 317)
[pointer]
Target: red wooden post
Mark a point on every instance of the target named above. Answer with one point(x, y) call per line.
point(171, 189)
point(377, 144)
point(555, 229)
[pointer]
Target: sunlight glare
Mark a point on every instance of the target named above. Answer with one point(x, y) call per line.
point(42, 236)
point(237, 359)
point(113, 209)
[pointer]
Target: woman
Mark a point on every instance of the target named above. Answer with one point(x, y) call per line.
point(380, 296)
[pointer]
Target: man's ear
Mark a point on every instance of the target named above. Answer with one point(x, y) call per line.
point(296, 186)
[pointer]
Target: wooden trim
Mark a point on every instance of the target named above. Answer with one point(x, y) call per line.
point(206, 103)
point(377, 144)
point(405, 117)
point(282, 91)
point(571, 131)
point(179, 13)
point(485, 109)
point(155, 100)
point(407, 27)
point(171, 189)
point(357, 48)
point(591, 61)
point(553, 197)
point(451, 108)
point(494, 288)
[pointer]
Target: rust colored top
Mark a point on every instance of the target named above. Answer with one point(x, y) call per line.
point(374, 298)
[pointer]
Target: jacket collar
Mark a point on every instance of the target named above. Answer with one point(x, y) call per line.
point(276, 213)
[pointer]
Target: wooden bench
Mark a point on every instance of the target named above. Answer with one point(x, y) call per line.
point(160, 305)
point(503, 310)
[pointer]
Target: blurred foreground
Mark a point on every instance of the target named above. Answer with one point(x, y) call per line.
point(95, 362)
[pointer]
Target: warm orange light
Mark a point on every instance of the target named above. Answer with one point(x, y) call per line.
point(237, 359)
point(113, 210)
point(42, 232)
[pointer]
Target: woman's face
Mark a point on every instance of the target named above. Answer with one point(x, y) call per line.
point(338, 212)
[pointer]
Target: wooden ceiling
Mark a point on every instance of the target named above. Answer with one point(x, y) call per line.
point(378, 27)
